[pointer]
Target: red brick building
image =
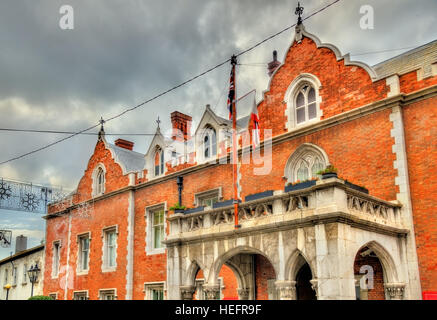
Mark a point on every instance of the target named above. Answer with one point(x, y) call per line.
point(121, 237)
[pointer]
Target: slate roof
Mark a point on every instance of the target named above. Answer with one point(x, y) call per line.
point(131, 160)
point(420, 57)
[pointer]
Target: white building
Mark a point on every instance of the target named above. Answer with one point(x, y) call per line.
point(13, 271)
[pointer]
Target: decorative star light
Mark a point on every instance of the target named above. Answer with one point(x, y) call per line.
point(5, 191)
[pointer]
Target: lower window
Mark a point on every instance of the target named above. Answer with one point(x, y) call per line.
point(107, 295)
point(154, 291)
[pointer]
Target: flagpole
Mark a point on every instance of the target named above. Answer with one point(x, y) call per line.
point(235, 143)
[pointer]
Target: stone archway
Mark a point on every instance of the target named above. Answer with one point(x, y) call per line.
point(245, 263)
point(376, 276)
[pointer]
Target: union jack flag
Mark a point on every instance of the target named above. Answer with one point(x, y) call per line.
point(255, 120)
point(231, 95)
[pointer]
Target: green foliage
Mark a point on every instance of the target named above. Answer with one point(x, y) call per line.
point(178, 207)
point(328, 169)
point(40, 298)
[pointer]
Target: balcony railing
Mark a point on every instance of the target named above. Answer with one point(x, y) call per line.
point(327, 198)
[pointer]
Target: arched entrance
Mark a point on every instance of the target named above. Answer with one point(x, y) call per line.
point(254, 272)
point(304, 290)
point(369, 275)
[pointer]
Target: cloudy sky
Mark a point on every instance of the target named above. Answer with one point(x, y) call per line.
point(121, 53)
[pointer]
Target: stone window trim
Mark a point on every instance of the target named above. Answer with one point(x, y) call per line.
point(53, 295)
point(25, 268)
point(161, 162)
point(149, 232)
point(79, 270)
point(14, 276)
point(81, 292)
point(294, 160)
point(95, 181)
point(54, 243)
point(290, 98)
point(105, 230)
point(108, 290)
point(148, 286)
point(208, 193)
point(209, 132)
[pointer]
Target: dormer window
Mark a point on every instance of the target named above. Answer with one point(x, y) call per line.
point(210, 143)
point(306, 105)
point(99, 180)
point(159, 162)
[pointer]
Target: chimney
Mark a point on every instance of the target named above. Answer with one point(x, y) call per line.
point(124, 144)
point(20, 243)
point(181, 124)
point(272, 66)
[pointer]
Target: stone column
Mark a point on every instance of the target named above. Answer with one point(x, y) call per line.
point(286, 289)
point(395, 290)
point(187, 292)
point(212, 292)
point(243, 294)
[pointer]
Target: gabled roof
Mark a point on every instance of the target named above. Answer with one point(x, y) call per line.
point(22, 254)
point(130, 161)
point(420, 57)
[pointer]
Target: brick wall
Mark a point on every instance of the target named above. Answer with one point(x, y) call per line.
point(377, 293)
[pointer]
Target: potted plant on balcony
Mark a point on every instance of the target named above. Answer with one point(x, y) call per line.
point(328, 172)
point(177, 208)
point(300, 184)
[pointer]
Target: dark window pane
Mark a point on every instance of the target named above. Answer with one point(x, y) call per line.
point(311, 95)
point(300, 115)
point(300, 101)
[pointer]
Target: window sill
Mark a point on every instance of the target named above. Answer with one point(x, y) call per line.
point(155, 251)
point(112, 269)
point(82, 273)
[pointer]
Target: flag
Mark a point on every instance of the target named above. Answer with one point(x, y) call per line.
point(255, 121)
point(231, 95)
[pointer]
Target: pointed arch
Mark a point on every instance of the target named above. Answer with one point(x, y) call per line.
point(309, 156)
point(294, 262)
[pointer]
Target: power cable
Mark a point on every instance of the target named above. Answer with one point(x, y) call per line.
point(167, 91)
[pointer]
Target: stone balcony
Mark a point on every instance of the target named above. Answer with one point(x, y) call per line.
point(327, 201)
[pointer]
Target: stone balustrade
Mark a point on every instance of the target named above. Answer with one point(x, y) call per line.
point(327, 199)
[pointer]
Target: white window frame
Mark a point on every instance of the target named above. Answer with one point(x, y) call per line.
point(105, 232)
point(200, 196)
point(80, 270)
point(294, 161)
point(14, 276)
point(150, 249)
point(208, 132)
point(112, 291)
point(150, 286)
point(56, 259)
point(81, 293)
point(97, 191)
point(161, 169)
point(24, 280)
point(290, 99)
point(53, 295)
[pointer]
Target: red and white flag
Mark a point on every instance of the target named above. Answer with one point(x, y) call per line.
point(255, 121)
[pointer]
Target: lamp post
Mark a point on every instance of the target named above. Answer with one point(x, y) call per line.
point(7, 287)
point(33, 275)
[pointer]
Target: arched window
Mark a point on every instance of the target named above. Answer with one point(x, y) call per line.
point(159, 162)
point(99, 180)
point(306, 104)
point(303, 101)
point(210, 143)
point(305, 162)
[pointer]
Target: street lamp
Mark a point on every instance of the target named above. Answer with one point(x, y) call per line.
point(33, 275)
point(7, 287)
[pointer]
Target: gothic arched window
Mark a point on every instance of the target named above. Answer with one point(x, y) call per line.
point(305, 104)
point(99, 180)
point(159, 162)
point(210, 143)
point(305, 162)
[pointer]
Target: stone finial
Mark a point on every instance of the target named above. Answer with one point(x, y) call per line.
point(273, 65)
point(102, 130)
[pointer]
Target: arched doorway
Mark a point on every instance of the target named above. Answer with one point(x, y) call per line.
point(304, 290)
point(254, 272)
point(369, 275)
